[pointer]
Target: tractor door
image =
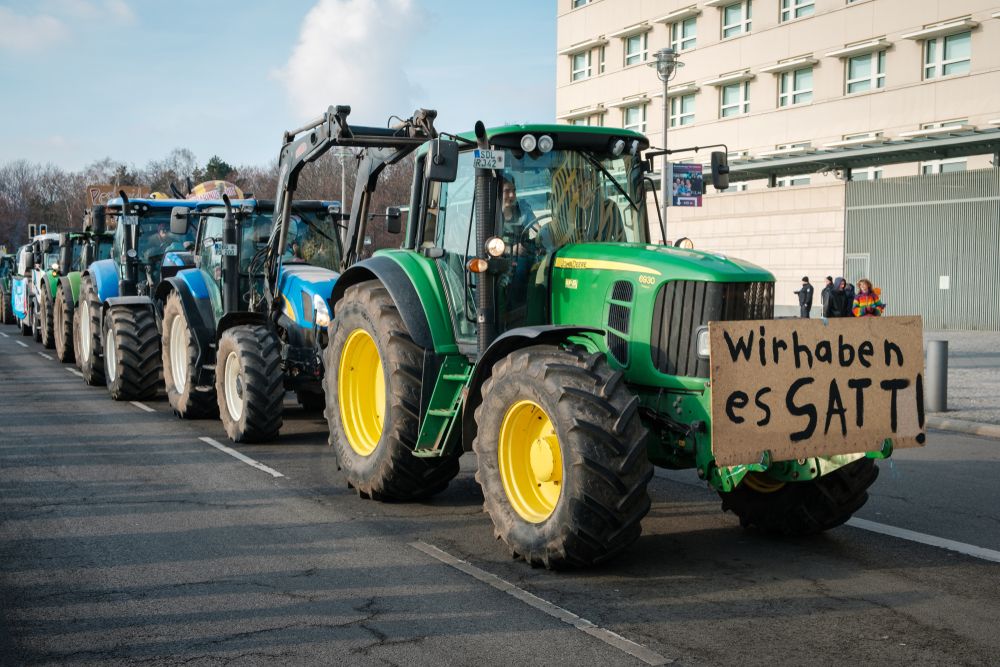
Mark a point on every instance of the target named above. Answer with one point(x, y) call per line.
point(448, 228)
point(210, 258)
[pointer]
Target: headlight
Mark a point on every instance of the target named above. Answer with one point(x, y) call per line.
point(495, 246)
point(55, 266)
point(528, 143)
point(545, 143)
point(321, 312)
point(703, 344)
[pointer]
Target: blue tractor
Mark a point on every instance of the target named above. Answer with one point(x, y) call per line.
point(250, 321)
point(119, 338)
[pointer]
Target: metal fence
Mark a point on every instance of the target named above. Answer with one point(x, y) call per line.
point(931, 243)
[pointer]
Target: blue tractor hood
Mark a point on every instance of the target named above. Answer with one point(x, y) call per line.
point(301, 286)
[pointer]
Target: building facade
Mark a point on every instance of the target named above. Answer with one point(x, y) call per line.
point(772, 78)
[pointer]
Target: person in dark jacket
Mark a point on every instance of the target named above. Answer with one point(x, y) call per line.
point(805, 294)
point(838, 305)
point(825, 294)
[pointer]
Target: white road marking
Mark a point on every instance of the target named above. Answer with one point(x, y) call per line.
point(4, 335)
point(931, 540)
point(141, 406)
point(47, 356)
point(639, 651)
point(21, 344)
point(74, 372)
point(246, 459)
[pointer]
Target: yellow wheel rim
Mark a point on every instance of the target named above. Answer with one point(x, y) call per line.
point(361, 389)
point(761, 483)
point(530, 461)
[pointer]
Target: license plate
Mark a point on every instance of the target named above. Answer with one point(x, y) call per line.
point(484, 159)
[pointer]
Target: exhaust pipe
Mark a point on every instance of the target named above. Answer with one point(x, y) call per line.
point(486, 204)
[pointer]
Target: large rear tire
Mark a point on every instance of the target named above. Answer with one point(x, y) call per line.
point(250, 383)
point(180, 373)
point(88, 344)
point(62, 326)
point(561, 457)
point(801, 508)
point(131, 353)
point(36, 325)
point(6, 311)
point(46, 327)
point(372, 387)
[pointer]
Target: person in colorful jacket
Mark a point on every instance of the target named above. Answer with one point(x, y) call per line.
point(866, 302)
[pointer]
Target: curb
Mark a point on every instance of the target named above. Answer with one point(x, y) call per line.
point(963, 426)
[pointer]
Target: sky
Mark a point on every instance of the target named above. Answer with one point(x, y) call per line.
point(81, 80)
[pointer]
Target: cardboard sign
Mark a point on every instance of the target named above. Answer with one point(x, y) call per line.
point(801, 388)
point(688, 184)
point(100, 194)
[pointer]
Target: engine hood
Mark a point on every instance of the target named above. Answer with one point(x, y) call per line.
point(300, 284)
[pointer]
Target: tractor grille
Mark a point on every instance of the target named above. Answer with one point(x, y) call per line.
point(619, 320)
point(682, 306)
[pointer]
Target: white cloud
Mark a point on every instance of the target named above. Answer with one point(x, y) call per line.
point(29, 33)
point(119, 10)
point(354, 52)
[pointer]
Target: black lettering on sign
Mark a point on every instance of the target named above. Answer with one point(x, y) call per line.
point(742, 347)
point(776, 344)
point(889, 348)
point(865, 350)
point(824, 352)
point(835, 406)
point(893, 386)
point(920, 399)
point(797, 349)
point(736, 401)
point(760, 348)
point(766, 419)
point(859, 385)
point(801, 410)
point(845, 353)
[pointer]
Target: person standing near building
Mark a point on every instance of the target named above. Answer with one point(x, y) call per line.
point(805, 294)
point(838, 305)
point(825, 294)
point(866, 302)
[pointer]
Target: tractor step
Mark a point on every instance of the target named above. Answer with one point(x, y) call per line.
point(444, 408)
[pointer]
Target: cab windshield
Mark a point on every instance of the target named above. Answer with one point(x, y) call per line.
point(313, 239)
point(564, 197)
point(155, 239)
point(104, 246)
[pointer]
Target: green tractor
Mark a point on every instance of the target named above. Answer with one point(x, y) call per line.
point(528, 317)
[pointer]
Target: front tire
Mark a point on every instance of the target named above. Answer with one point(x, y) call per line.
point(372, 386)
point(561, 457)
point(249, 383)
point(88, 343)
point(801, 508)
point(180, 373)
point(6, 311)
point(62, 326)
point(46, 328)
point(131, 353)
point(36, 326)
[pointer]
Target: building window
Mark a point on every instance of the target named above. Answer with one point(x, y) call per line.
point(634, 118)
point(796, 87)
point(942, 166)
point(579, 3)
point(681, 110)
point(581, 65)
point(866, 174)
point(736, 18)
point(791, 181)
point(600, 60)
point(636, 48)
point(734, 99)
point(793, 9)
point(683, 34)
point(866, 72)
point(948, 55)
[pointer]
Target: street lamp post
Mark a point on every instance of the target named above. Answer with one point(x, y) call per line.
point(342, 152)
point(666, 64)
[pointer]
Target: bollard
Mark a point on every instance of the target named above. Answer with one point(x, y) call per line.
point(936, 373)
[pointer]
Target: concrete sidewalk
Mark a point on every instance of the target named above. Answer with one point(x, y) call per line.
point(973, 383)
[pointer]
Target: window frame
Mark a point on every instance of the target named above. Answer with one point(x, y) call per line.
point(937, 47)
point(678, 115)
point(585, 72)
point(790, 97)
point(639, 127)
point(875, 78)
point(794, 9)
point(743, 25)
point(639, 57)
point(677, 38)
point(742, 105)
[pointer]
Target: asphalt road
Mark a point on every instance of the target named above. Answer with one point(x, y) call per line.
point(126, 538)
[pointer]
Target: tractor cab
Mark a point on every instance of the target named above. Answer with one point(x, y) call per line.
point(145, 247)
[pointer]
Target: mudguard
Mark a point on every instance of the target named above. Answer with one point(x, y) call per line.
point(190, 286)
point(104, 274)
point(230, 320)
point(502, 346)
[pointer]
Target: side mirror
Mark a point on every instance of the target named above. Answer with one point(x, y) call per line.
point(441, 164)
point(178, 220)
point(393, 220)
point(720, 170)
